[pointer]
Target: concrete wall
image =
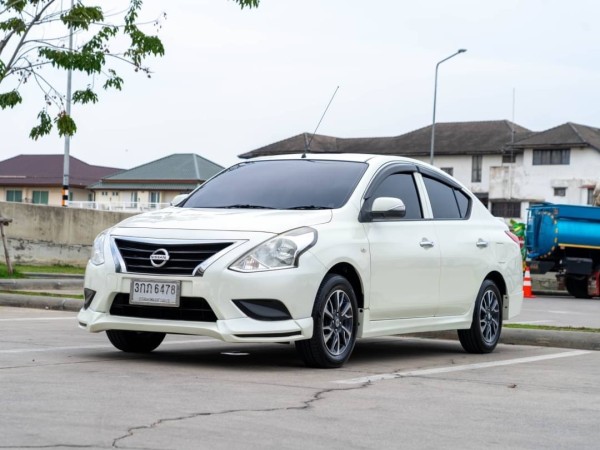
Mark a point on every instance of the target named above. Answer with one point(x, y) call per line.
point(42, 234)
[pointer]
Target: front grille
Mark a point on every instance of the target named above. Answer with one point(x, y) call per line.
point(195, 309)
point(183, 257)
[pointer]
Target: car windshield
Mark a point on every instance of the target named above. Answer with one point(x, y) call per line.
point(282, 184)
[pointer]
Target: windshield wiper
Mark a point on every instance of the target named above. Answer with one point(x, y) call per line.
point(309, 207)
point(244, 206)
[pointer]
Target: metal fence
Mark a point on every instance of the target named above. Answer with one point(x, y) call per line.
point(118, 206)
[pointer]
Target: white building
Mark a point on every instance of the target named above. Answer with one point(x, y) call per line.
point(506, 165)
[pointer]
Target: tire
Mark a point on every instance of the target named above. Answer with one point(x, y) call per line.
point(335, 324)
point(484, 334)
point(135, 341)
point(577, 286)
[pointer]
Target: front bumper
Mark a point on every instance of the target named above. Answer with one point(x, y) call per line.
point(295, 288)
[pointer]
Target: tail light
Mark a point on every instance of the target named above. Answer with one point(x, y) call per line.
point(514, 237)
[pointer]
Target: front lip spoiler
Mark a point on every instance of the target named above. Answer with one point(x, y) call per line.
point(242, 329)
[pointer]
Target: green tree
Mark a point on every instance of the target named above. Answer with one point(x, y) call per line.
point(34, 36)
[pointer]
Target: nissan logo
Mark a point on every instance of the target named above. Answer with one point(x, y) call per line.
point(159, 258)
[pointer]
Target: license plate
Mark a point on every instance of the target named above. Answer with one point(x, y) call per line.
point(155, 293)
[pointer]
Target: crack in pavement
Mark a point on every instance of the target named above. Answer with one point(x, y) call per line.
point(306, 405)
point(52, 446)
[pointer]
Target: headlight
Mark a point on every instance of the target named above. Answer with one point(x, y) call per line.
point(98, 249)
point(280, 252)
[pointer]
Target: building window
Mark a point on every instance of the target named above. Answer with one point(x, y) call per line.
point(509, 157)
point(590, 196)
point(506, 209)
point(476, 169)
point(551, 157)
point(14, 196)
point(154, 197)
point(133, 199)
point(448, 170)
point(560, 191)
point(40, 198)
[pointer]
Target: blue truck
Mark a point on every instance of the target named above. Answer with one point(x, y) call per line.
point(566, 239)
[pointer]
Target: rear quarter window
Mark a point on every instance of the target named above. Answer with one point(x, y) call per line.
point(447, 202)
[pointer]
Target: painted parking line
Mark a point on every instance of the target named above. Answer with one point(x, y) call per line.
point(535, 322)
point(574, 313)
point(37, 319)
point(92, 347)
point(438, 370)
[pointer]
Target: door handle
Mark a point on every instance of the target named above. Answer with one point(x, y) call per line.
point(426, 243)
point(481, 243)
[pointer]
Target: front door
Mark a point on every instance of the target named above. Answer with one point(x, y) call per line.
point(405, 256)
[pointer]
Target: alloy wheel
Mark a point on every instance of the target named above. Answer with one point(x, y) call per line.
point(337, 322)
point(489, 317)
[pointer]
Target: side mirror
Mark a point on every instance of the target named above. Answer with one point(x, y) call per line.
point(388, 208)
point(178, 199)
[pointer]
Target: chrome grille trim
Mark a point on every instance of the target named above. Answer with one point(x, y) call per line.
point(188, 257)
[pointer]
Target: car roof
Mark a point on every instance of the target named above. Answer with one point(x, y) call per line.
point(357, 157)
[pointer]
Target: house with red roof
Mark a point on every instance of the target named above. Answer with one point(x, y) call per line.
point(38, 179)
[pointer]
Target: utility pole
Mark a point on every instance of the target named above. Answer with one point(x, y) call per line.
point(65, 188)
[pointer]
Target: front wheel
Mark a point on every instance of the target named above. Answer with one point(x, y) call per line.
point(335, 323)
point(484, 334)
point(135, 341)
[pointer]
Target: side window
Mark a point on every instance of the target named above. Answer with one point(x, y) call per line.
point(446, 202)
point(463, 203)
point(402, 186)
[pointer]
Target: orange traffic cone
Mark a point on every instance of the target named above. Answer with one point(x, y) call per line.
point(527, 293)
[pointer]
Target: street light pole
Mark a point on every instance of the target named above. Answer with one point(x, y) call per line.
point(462, 50)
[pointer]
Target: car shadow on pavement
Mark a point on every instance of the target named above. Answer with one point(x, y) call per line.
point(216, 354)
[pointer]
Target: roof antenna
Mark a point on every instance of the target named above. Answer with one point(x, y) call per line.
point(307, 144)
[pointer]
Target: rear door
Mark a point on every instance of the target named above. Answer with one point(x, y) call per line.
point(463, 243)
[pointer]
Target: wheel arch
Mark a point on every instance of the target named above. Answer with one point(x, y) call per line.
point(351, 274)
point(498, 280)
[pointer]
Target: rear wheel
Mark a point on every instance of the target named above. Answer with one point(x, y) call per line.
point(335, 323)
point(484, 334)
point(135, 341)
point(577, 286)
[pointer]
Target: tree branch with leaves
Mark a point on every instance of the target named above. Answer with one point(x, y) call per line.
point(33, 39)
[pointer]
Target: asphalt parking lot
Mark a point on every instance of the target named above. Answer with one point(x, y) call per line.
point(62, 387)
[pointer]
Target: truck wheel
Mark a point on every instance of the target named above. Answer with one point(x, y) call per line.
point(335, 323)
point(484, 334)
point(577, 286)
point(135, 341)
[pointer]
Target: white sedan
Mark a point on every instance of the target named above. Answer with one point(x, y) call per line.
point(315, 250)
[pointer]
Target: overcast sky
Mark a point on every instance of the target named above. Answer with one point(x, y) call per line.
point(234, 80)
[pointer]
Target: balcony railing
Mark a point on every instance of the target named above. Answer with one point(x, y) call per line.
point(118, 206)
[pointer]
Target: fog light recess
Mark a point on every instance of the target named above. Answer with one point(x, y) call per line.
point(263, 309)
point(88, 296)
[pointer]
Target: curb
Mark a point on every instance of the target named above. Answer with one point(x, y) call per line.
point(40, 302)
point(53, 275)
point(581, 340)
point(20, 284)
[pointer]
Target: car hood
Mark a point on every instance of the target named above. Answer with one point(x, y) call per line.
point(269, 221)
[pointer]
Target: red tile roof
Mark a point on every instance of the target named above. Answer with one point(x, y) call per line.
point(47, 170)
